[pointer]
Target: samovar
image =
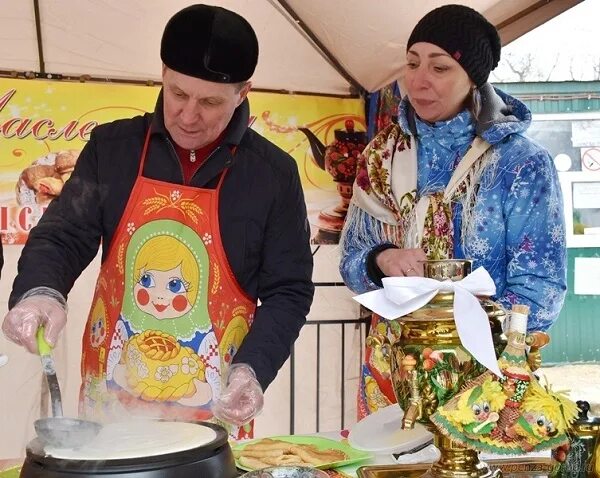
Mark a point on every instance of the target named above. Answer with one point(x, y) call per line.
point(429, 366)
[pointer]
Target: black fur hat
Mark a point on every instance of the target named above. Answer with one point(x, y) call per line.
point(211, 43)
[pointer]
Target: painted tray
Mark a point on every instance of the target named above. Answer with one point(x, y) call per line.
point(513, 468)
point(353, 455)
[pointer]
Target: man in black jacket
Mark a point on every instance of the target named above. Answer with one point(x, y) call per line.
point(244, 199)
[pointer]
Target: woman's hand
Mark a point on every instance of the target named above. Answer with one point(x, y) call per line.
point(401, 262)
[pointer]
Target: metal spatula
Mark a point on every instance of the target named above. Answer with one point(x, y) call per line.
point(59, 431)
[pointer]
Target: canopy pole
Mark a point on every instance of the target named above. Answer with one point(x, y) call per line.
point(38, 32)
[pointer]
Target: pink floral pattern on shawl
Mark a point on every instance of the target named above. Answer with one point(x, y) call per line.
point(374, 178)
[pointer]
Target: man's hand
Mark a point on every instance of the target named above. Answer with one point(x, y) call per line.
point(241, 399)
point(24, 319)
point(401, 262)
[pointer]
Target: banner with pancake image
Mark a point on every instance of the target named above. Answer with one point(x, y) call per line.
point(44, 125)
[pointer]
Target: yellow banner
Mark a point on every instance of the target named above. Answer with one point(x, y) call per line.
point(44, 125)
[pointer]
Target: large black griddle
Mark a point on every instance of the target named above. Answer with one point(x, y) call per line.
point(212, 460)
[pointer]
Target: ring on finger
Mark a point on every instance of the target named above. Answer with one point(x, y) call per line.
point(411, 269)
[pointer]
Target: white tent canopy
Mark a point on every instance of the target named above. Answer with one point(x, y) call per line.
point(318, 46)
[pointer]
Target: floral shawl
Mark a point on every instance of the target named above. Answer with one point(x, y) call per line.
point(385, 188)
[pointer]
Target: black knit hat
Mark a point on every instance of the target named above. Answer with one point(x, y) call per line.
point(465, 34)
point(211, 43)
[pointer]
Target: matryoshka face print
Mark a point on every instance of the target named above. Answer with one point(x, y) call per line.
point(166, 279)
point(163, 294)
point(98, 324)
point(232, 338)
point(166, 273)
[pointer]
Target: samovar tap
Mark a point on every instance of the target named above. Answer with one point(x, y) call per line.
point(415, 407)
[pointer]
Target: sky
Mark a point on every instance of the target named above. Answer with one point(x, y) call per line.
point(570, 41)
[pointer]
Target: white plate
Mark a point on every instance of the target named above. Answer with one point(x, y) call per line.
point(381, 433)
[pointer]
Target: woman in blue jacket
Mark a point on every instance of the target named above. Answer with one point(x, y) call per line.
point(455, 178)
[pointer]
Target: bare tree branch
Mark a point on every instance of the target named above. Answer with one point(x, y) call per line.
point(596, 68)
point(556, 59)
point(571, 69)
point(522, 66)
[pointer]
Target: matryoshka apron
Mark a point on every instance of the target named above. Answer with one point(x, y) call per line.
point(168, 314)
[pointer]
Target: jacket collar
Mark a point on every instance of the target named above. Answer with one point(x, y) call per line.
point(500, 115)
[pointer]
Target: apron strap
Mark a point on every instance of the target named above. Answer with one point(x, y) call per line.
point(224, 173)
point(144, 152)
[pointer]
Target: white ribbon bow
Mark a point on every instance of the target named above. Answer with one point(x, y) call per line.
point(402, 295)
